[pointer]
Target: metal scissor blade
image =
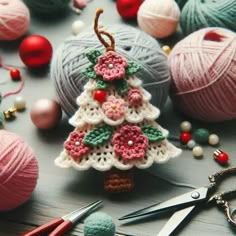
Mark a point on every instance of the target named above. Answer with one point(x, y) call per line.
point(175, 221)
point(187, 199)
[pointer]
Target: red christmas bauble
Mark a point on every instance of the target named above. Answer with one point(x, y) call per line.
point(128, 9)
point(222, 158)
point(185, 137)
point(99, 95)
point(35, 51)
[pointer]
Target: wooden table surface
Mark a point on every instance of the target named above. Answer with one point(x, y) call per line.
point(60, 191)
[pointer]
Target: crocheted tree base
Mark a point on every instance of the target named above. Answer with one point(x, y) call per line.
point(117, 181)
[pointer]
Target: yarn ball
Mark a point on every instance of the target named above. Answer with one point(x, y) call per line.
point(47, 8)
point(196, 15)
point(99, 224)
point(203, 74)
point(14, 19)
point(69, 60)
point(159, 18)
point(18, 171)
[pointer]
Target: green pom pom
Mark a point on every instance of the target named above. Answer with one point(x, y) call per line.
point(99, 224)
point(201, 136)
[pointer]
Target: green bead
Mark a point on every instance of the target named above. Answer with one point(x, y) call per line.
point(201, 135)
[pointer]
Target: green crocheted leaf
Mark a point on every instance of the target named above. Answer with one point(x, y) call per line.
point(101, 84)
point(121, 86)
point(89, 72)
point(98, 136)
point(93, 56)
point(133, 68)
point(153, 134)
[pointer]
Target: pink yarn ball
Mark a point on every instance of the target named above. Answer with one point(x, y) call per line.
point(14, 19)
point(18, 171)
point(159, 18)
point(203, 71)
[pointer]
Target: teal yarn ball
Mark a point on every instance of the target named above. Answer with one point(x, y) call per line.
point(47, 7)
point(99, 224)
point(201, 135)
point(198, 14)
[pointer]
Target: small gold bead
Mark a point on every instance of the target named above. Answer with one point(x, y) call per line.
point(10, 113)
point(166, 49)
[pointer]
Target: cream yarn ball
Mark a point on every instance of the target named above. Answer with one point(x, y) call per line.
point(159, 18)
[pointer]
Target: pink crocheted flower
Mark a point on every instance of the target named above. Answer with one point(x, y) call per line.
point(114, 108)
point(129, 143)
point(75, 146)
point(135, 97)
point(111, 66)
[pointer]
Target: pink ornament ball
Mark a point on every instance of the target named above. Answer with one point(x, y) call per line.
point(203, 75)
point(18, 171)
point(14, 19)
point(35, 51)
point(45, 113)
point(159, 18)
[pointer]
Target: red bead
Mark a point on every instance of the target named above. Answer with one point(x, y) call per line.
point(128, 9)
point(15, 74)
point(222, 158)
point(99, 95)
point(185, 137)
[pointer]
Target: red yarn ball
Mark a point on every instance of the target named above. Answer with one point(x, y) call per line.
point(128, 9)
point(35, 51)
point(45, 113)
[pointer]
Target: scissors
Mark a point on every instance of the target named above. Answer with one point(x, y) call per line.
point(184, 204)
point(62, 224)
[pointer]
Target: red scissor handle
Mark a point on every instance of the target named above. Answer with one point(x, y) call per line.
point(44, 228)
point(61, 228)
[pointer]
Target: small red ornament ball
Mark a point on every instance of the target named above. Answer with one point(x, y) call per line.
point(128, 9)
point(99, 95)
point(222, 158)
point(15, 74)
point(45, 113)
point(35, 51)
point(185, 137)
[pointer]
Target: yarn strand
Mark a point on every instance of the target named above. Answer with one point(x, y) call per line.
point(99, 33)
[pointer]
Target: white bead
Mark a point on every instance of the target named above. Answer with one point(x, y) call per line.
point(77, 143)
point(130, 143)
point(213, 139)
point(110, 66)
point(191, 144)
point(197, 152)
point(77, 27)
point(19, 103)
point(185, 126)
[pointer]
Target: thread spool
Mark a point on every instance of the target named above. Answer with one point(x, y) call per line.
point(18, 171)
point(14, 19)
point(201, 14)
point(47, 8)
point(159, 18)
point(69, 60)
point(204, 88)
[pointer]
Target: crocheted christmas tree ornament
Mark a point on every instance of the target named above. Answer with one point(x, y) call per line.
point(115, 127)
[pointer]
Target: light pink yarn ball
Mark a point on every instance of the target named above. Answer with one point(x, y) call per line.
point(14, 19)
point(159, 18)
point(203, 71)
point(18, 171)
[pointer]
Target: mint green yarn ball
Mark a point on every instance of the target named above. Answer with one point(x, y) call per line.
point(198, 14)
point(99, 224)
point(201, 135)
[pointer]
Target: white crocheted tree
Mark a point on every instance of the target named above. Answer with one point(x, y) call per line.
point(115, 125)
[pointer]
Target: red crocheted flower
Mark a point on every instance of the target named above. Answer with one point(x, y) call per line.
point(129, 143)
point(111, 66)
point(75, 146)
point(135, 97)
